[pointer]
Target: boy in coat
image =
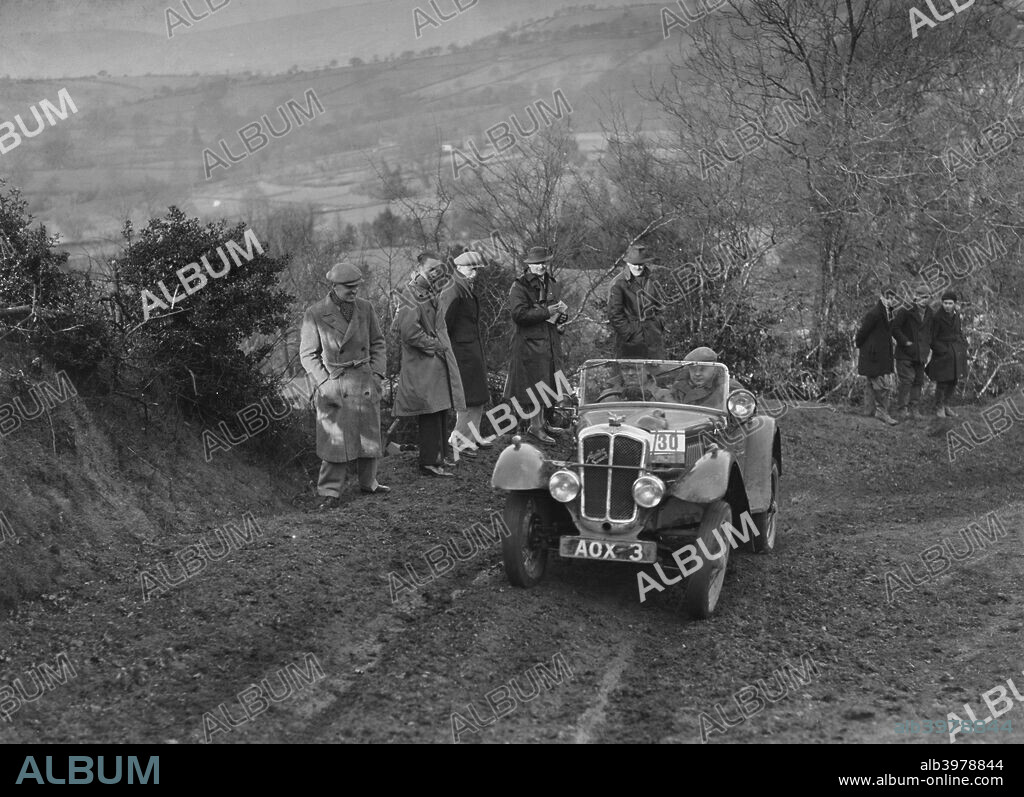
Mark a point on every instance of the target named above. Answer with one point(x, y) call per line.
point(912, 328)
point(343, 351)
point(875, 361)
point(949, 354)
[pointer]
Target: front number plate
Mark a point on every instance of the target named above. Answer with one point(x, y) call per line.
point(581, 548)
point(669, 442)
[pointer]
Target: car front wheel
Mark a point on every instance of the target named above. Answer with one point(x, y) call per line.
point(704, 586)
point(525, 550)
point(766, 521)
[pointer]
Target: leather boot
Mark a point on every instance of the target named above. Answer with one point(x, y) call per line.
point(885, 417)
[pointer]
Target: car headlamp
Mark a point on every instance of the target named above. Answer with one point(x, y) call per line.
point(648, 491)
point(564, 485)
point(742, 405)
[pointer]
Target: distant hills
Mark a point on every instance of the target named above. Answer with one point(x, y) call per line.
point(136, 145)
point(50, 39)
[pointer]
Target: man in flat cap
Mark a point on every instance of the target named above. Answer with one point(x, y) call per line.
point(344, 352)
point(912, 328)
point(429, 384)
point(699, 384)
point(633, 311)
point(539, 315)
point(460, 309)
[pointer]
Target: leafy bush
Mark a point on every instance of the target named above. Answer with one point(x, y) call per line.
point(54, 313)
point(197, 350)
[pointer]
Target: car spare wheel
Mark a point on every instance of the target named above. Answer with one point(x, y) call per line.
point(766, 521)
point(705, 585)
point(525, 550)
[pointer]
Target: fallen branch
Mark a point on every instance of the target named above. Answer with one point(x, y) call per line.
point(26, 308)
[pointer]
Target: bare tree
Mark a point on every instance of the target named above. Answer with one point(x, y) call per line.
point(832, 122)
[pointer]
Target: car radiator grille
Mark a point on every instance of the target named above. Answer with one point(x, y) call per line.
point(608, 492)
point(694, 449)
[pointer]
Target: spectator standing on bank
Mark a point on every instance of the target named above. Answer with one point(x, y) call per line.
point(428, 384)
point(344, 352)
point(460, 308)
point(912, 328)
point(633, 311)
point(539, 315)
point(874, 340)
point(949, 354)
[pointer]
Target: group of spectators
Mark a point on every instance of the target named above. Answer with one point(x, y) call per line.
point(443, 365)
point(913, 340)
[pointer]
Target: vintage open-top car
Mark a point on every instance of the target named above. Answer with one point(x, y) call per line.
point(665, 453)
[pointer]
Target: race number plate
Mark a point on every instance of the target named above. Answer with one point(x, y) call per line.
point(581, 548)
point(669, 443)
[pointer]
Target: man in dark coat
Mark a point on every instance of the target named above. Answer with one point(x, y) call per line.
point(874, 339)
point(949, 354)
point(343, 351)
point(429, 383)
point(912, 328)
point(461, 310)
point(539, 315)
point(633, 311)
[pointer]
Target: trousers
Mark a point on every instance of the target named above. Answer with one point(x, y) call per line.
point(877, 392)
point(469, 417)
point(431, 437)
point(911, 376)
point(334, 474)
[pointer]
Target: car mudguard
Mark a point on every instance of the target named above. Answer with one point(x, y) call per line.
point(520, 468)
point(707, 481)
point(763, 443)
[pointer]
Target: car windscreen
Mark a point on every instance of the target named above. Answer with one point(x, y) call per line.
point(691, 383)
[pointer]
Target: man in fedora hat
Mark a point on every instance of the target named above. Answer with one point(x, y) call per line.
point(343, 350)
point(539, 315)
point(429, 384)
point(633, 312)
point(460, 308)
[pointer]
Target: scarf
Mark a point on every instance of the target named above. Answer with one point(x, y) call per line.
point(346, 308)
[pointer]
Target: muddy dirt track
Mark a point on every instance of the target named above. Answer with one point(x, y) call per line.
point(590, 662)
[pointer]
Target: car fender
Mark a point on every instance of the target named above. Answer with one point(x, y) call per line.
point(520, 467)
point(707, 481)
point(763, 444)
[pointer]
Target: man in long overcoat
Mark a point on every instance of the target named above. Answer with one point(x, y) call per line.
point(461, 310)
point(429, 383)
point(344, 352)
point(912, 328)
point(538, 315)
point(633, 310)
point(874, 339)
point(949, 354)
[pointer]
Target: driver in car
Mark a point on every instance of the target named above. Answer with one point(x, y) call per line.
point(700, 384)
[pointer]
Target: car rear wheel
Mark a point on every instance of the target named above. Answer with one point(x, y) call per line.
point(704, 587)
point(525, 550)
point(766, 521)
